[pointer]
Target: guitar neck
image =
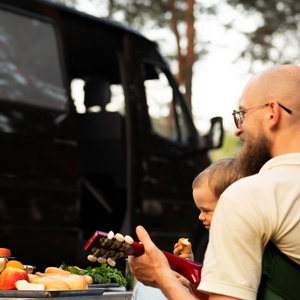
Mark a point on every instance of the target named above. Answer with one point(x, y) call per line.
point(102, 244)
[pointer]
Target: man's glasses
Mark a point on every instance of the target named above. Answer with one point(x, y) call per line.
point(238, 116)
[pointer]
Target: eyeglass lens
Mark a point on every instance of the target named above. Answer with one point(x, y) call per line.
point(237, 118)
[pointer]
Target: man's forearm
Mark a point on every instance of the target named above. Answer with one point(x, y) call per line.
point(174, 290)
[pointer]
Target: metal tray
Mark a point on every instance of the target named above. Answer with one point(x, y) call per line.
point(51, 293)
point(103, 286)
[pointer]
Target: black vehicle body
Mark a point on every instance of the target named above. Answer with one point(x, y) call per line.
point(65, 174)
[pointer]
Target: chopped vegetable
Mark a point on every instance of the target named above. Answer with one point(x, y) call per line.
point(101, 275)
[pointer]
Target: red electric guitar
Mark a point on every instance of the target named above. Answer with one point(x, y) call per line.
point(108, 247)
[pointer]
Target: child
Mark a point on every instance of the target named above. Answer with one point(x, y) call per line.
point(207, 189)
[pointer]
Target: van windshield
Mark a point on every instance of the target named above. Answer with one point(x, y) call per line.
point(30, 70)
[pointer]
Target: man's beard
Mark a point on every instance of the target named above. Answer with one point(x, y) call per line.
point(253, 155)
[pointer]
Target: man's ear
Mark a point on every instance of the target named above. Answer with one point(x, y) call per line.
point(274, 114)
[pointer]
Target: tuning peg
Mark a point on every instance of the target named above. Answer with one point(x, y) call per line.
point(101, 240)
point(124, 246)
point(95, 251)
point(92, 258)
point(112, 260)
point(102, 259)
point(120, 237)
point(116, 244)
point(107, 242)
point(110, 235)
point(128, 239)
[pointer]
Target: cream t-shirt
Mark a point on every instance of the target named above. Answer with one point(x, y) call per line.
point(252, 211)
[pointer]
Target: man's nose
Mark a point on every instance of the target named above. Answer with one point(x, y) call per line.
point(238, 131)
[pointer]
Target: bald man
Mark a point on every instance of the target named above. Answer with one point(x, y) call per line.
point(256, 211)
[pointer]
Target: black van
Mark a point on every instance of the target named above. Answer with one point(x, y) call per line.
point(126, 156)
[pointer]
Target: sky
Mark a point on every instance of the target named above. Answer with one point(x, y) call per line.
point(219, 78)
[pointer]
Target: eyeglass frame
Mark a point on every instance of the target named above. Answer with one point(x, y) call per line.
point(238, 120)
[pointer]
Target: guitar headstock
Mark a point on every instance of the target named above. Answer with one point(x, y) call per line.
point(107, 247)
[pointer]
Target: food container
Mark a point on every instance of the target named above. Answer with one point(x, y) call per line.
point(29, 269)
point(131, 280)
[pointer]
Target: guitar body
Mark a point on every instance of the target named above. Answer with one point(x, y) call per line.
point(110, 245)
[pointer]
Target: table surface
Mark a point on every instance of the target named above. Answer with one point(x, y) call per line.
point(111, 294)
point(116, 296)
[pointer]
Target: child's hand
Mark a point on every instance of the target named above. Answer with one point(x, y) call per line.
point(182, 279)
point(177, 251)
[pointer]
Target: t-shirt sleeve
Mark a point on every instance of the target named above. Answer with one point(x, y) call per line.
point(232, 263)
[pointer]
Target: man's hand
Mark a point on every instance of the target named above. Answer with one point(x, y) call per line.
point(151, 268)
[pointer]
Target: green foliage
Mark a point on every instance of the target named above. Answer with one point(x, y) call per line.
point(277, 39)
point(158, 12)
point(139, 13)
point(101, 275)
point(153, 14)
point(230, 147)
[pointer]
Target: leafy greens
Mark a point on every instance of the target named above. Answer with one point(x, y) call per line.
point(101, 275)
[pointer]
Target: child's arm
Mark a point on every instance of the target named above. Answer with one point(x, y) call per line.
point(188, 253)
point(182, 279)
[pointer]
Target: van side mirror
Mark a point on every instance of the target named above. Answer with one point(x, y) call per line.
point(214, 139)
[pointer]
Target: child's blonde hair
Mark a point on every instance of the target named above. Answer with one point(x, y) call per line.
point(218, 176)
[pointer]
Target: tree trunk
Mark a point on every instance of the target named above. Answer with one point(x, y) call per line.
point(190, 56)
point(180, 59)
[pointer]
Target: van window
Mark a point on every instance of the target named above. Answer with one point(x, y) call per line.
point(116, 103)
point(160, 107)
point(30, 70)
point(168, 117)
point(182, 121)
